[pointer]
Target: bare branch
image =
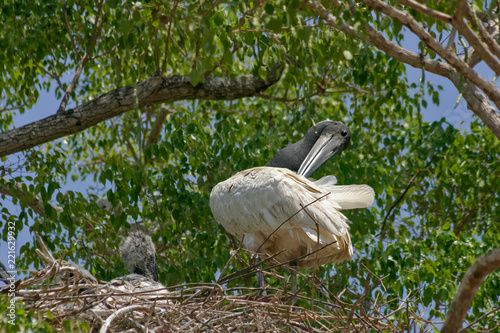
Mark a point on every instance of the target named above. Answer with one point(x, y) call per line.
point(461, 7)
point(482, 49)
point(460, 25)
point(470, 283)
point(426, 10)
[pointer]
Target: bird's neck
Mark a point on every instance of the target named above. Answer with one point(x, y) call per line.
point(292, 156)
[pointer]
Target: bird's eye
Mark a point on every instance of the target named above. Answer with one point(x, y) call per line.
point(343, 133)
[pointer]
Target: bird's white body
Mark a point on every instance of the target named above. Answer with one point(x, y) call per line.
point(253, 203)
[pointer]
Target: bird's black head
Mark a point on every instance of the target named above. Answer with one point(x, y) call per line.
point(320, 143)
point(330, 129)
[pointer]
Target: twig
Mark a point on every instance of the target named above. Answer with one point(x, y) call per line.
point(426, 10)
point(466, 329)
point(13, 107)
point(410, 183)
point(242, 19)
point(156, 130)
point(236, 47)
point(247, 270)
point(486, 195)
point(54, 76)
point(223, 271)
point(288, 219)
point(100, 55)
point(44, 249)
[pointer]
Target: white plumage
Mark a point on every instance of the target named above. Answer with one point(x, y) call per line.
point(274, 211)
point(253, 203)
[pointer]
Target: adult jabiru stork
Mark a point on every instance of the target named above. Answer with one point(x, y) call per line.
point(254, 204)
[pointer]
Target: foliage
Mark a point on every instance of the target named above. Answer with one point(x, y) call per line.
point(437, 186)
point(33, 321)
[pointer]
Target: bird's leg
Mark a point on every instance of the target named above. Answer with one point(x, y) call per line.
point(293, 282)
point(260, 276)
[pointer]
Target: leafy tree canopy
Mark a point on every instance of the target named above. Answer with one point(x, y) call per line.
point(161, 101)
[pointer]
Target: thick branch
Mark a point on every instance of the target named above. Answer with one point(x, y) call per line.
point(470, 283)
point(154, 90)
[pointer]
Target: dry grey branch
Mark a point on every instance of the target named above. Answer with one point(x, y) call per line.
point(156, 89)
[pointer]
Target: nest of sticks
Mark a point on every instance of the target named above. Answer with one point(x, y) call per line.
point(68, 292)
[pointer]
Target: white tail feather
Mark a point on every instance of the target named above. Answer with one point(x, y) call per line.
point(351, 196)
point(347, 196)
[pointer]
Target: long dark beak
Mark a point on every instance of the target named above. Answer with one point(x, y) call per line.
point(324, 148)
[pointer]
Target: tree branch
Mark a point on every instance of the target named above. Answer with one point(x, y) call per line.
point(426, 10)
point(476, 100)
point(408, 186)
point(490, 89)
point(488, 38)
point(458, 23)
point(54, 76)
point(154, 90)
point(470, 283)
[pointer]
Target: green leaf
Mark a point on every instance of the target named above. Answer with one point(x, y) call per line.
point(384, 23)
point(196, 76)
